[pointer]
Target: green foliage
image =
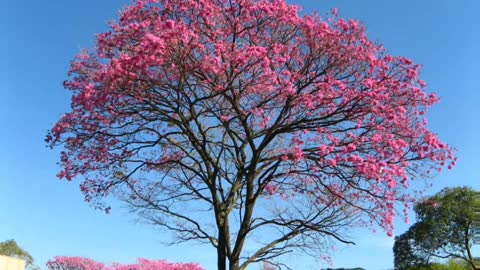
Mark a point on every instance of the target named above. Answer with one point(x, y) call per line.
point(405, 255)
point(443, 230)
point(445, 218)
point(10, 248)
point(452, 264)
point(456, 265)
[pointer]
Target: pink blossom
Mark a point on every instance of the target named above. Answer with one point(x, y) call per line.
point(224, 118)
point(332, 162)
point(169, 24)
point(271, 189)
point(334, 11)
point(297, 154)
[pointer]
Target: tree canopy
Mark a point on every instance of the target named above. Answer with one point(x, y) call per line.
point(12, 249)
point(443, 230)
point(227, 121)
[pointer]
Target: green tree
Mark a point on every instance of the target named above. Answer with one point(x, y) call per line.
point(443, 231)
point(12, 249)
point(406, 256)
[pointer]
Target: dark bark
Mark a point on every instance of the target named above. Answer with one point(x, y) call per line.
point(221, 253)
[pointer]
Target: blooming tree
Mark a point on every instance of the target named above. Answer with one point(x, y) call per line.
point(231, 120)
point(80, 263)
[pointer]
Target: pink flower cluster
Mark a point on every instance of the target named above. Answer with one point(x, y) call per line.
point(80, 263)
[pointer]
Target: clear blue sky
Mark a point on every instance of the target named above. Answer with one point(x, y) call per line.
point(48, 217)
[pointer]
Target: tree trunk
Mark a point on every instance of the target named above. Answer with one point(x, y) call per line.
point(221, 252)
point(234, 264)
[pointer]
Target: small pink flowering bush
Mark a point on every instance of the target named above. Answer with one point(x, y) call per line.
point(74, 263)
point(80, 263)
